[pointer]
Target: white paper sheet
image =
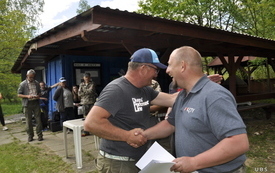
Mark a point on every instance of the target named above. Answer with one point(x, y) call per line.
point(157, 166)
point(156, 159)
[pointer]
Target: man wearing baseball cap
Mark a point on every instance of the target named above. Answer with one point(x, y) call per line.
point(146, 55)
point(123, 107)
point(64, 101)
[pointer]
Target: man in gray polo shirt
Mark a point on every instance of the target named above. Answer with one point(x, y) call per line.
point(210, 135)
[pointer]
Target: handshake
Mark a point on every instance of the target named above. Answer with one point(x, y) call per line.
point(137, 137)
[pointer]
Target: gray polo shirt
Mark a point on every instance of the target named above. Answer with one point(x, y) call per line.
point(203, 118)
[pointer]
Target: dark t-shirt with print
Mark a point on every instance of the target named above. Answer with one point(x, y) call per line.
point(129, 107)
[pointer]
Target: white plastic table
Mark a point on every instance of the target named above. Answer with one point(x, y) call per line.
point(76, 125)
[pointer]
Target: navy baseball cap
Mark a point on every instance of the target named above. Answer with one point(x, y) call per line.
point(146, 55)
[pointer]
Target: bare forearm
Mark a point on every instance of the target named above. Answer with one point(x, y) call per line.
point(97, 122)
point(161, 130)
point(106, 130)
point(227, 150)
point(28, 96)
point(55, 85)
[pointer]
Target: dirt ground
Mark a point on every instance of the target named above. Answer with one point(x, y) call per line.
point(261, 134)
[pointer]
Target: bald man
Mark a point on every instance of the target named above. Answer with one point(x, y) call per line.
point(210, 135)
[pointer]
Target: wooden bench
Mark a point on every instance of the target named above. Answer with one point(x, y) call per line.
point(267, 107)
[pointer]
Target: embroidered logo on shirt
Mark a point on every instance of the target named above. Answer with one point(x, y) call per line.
point(189, 110)
point(138, 104)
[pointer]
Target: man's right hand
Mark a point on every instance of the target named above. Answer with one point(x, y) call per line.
point(136, 140)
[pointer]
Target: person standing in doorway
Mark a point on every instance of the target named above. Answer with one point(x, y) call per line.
point(88, 95)
point(2, 116)
point(29, 91)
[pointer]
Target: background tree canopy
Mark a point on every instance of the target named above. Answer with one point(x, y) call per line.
point(82, 6)
point(18, 23)
point(253, 17)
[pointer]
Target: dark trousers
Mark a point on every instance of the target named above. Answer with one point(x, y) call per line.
point(68, 114)
point(76, 113)
point(44, 116)
point(2, 117)
point(33, 109)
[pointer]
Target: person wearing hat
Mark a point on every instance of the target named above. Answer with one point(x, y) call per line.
point(29, 91)
point(64, 98)
point(124, 107)
point(88, 95)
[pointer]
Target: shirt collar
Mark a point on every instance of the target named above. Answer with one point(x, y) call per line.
point(199, 85)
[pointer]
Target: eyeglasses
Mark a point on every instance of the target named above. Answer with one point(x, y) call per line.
point(157, 70)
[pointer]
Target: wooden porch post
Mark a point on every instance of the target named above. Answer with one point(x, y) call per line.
point(231, 66)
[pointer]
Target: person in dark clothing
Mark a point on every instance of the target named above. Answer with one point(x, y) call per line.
point(44, 101)
point(2, 116)
point(76, 100)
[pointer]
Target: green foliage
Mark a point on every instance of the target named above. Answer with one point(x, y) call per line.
point(18, 22)
point(156, 7)
point(215, 14)
point(255, 17)
point(82, 6)
point(30, 10)
point(262, 73)
point(11, 34)
point(258, 18)
point(9, 85)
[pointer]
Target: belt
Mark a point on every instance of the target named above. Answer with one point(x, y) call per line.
point(121, 158)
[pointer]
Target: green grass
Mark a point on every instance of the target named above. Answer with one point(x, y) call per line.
point(11, 108)
point(18, 157)
point(24, 158)
point(262, 141)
